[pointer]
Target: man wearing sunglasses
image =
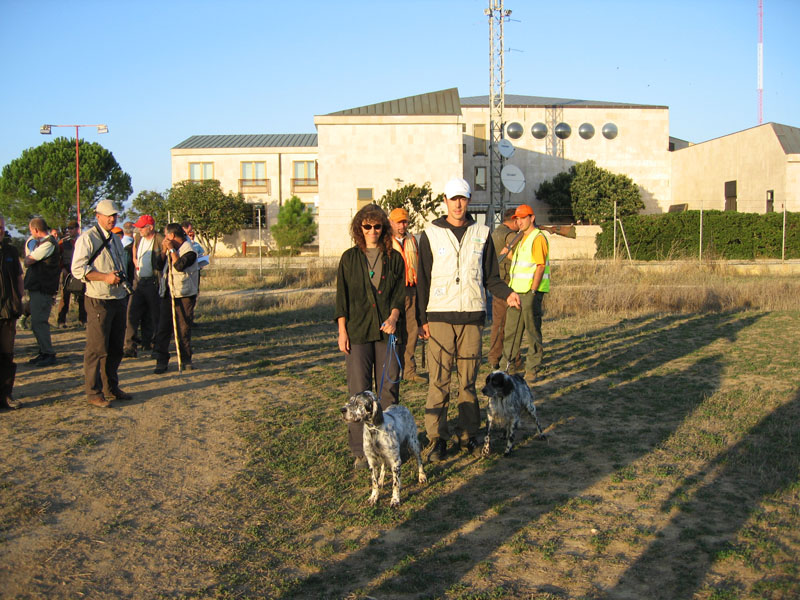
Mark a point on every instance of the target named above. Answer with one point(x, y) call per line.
point(456, 266)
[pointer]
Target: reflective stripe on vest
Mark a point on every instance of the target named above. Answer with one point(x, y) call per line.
point(523, 270)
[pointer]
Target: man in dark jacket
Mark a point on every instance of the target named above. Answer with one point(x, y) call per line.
point(145, 303)
point(41, 281)
point(66, 246)
point(11, 291)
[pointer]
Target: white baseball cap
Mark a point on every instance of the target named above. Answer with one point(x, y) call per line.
point(456, 187)
point(105, 208)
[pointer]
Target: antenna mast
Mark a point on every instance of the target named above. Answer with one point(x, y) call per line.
point(497, 16)
point(760, 61)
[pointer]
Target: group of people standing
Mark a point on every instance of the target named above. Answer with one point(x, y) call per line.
point(392, 289)
point(121, 286)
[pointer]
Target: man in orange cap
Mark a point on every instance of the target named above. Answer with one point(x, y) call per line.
point(406, 245)
point(530, 278)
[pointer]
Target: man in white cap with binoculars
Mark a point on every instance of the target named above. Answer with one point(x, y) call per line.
point(456, 266)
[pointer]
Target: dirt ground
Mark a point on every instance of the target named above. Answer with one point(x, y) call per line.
point(152, 460)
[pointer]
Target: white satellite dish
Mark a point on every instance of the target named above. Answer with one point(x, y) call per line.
point(505, 148)
point(513, 179)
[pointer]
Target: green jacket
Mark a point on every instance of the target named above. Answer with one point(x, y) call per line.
point(363, 307)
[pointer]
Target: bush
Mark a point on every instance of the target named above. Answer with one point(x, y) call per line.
point(727, 235)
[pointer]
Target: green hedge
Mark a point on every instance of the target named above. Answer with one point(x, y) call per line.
point(726, 235)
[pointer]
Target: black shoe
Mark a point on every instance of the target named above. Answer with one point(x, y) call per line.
point(8, 403)
point(435, 451)
point(36, 359)
point(129, 353)
point(47, 360)
point(160, 368)
point(471, 444)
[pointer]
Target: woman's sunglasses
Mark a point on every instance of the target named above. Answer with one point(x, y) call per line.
point(368, 226)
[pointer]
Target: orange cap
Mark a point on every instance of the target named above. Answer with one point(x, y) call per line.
point(399, 214)
point(523, 210)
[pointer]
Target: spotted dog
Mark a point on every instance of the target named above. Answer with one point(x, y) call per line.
point(508, 396)
point(389, 435)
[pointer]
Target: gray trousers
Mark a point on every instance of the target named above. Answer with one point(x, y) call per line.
point(41, 305)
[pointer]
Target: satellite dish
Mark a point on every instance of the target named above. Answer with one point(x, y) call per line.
point(513, 179)
point(505, 148)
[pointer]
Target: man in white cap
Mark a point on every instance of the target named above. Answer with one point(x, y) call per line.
point(99, 261)
point(456, 266)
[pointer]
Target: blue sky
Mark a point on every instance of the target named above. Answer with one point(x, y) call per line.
point(159, 72)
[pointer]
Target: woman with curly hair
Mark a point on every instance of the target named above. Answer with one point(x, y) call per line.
point(370, 297)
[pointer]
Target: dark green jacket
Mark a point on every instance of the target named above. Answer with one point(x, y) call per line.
point(10, 270)
point(364, 308)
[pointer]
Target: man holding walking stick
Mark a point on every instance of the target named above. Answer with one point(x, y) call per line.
point(178, 286)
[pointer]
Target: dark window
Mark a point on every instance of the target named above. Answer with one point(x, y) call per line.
point(730, 195)
point(770, 201)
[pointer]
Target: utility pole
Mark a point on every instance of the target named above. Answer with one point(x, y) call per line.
point(497, 16)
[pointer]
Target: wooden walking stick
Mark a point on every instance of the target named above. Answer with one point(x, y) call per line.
point(174, 319)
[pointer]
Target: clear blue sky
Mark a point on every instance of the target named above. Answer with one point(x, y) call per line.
point(158, 72)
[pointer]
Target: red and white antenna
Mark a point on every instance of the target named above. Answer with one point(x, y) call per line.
point(760, 61)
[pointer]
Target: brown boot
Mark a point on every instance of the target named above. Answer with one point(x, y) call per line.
point(98, 400)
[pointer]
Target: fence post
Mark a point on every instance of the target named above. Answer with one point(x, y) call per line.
point(615, 230)
point(783, 240)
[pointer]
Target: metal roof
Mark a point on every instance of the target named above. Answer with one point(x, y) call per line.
point(512, 100)
point(267, 140)
point(788, 136)
point(444, 102)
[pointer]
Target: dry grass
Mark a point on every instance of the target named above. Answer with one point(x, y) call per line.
point(284, 276)
point(683, 287)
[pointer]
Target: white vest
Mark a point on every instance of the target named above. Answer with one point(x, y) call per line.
point(187, 283)
point(457, 271)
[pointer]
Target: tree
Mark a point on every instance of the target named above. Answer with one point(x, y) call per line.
point(151, 203)
point(594, 191)
point(42, 182)
point(212, 212)
point(556, 193)
point(295, 225)
point(417, 200)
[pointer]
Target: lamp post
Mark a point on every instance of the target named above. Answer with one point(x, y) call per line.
point(45, 130)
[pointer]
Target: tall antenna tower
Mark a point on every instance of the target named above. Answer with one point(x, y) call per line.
point(497, 16)
point(760, 61)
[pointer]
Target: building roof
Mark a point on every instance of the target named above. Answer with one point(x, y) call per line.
point(267, 140)
point(788, 136)
point(444, 102)
point(514, 100)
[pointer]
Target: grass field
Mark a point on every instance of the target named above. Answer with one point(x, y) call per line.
point(671, 468)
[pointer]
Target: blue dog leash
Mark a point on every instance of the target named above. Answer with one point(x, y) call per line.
point(391, 352)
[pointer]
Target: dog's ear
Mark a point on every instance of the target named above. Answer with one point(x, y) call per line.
point(377, 412)
point(508, 385)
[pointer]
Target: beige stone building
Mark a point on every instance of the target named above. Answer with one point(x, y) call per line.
point(358, 154)
point(756, 170)
point(266, 169)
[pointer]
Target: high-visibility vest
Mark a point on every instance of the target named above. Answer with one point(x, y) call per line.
point(523, 268)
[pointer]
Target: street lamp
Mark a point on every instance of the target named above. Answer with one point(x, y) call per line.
point(45, 130)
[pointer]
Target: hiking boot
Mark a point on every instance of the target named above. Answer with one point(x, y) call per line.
point(160, 368)
point(471, 444)
point(8, 403)
point(531, 376)
point(98, 400)
point(47, 360)
point(435, 451)
point(118, 394)
point(35, 360)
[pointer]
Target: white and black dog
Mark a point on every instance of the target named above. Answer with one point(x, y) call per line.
point(389, 435)
point(508, 396)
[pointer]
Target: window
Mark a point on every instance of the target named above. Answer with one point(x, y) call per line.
point(304, 176)
point(201, 170)
point(253, 173)
point(364, 197)
point(770, 201)
point(479, 140)
point(480, 179)
point(730, 195)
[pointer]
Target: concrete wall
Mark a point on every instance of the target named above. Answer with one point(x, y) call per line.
point(754, 158)
point(379, 153)
point(639, 151)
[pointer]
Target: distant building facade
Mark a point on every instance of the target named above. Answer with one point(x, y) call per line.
point(358, 154)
